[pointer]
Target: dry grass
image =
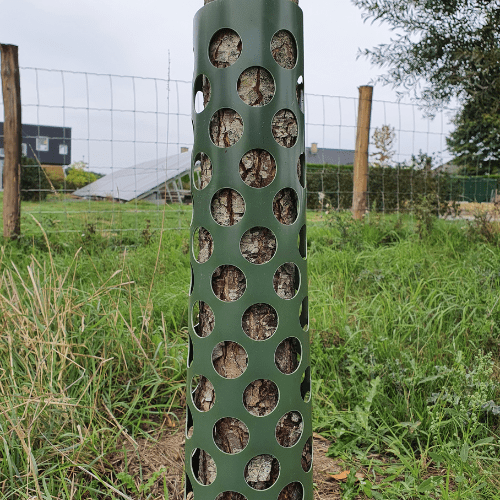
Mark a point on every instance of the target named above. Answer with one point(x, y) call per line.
point(52, 378)
point(471, 209)
point(41, 408)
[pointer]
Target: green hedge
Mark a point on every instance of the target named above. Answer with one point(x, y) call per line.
point(391, 189)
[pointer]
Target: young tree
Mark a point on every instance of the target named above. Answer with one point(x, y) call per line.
point(383, 139)
point(257, 168)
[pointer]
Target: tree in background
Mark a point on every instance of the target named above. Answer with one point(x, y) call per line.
point(383, 139)
point(445, 50)
point(475, 142)
point(77, 176)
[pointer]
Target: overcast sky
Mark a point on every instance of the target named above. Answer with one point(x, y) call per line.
point(134, 38)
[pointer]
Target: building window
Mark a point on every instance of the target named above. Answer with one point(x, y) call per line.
point(24, 149)
point(2, 152)
point(42, 143)
point(63, 149)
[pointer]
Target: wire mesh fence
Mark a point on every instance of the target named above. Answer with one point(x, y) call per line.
point(126, 133)
point(112, 153)
point(408, 155)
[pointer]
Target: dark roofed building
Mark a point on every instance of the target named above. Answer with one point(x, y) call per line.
point(324, 156)
point(51, 145)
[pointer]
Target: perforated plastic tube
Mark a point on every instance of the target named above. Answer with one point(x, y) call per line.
point(256, 22)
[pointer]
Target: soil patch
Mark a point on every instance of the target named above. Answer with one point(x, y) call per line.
point(142, 458)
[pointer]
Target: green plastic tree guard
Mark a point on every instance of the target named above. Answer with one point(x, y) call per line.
point(256, 22)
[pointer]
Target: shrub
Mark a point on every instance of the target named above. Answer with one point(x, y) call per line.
point(77, 176)
point(34, 183)
point(56, 176)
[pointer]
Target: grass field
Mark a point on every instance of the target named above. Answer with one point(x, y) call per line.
point(67, 214)
point(405, 340)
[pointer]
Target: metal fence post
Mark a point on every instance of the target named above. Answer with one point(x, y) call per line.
point(280, 468)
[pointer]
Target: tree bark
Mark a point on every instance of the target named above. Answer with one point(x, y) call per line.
point(260, 321)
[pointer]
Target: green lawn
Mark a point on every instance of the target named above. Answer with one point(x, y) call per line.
point(65, 214)
point(405, 339)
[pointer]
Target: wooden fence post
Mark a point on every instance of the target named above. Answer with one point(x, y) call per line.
point(360, 180)
point(12, 137)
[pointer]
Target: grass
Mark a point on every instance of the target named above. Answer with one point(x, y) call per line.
point(66, 214)
point(406, 347)
point(405, 339)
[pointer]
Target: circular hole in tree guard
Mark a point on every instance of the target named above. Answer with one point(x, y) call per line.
point(228, 283)
point(301, 170)
point(226, 127)
point(285, 128)
point(202, 171)
point(284, 49)
point(225, 48)
point(227, 207)
point(188, 488)
point(287, 355)
point(203, 467)
point(261, 397)
point(262, 471)
point(189, 423)
point(286, 280)
point(257, 168)
point(304, 314)
point(191, 286)
point(202, 245)
point(202, 393)
point(307, 455)
point(230, 495)
point(302, 242)
point(190, 352)
point(300, 93)
point(203, 319)
point(289, 429)
point(230, 359)
point(293, 490)
point(237, 432)
point(260, 321)
point(202, 93)
point(285, 206)
point(256, 86)
point(198, 102)
point(258, 245)
point(305, 385)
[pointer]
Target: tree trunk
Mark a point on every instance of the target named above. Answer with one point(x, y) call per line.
point(257, 169)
